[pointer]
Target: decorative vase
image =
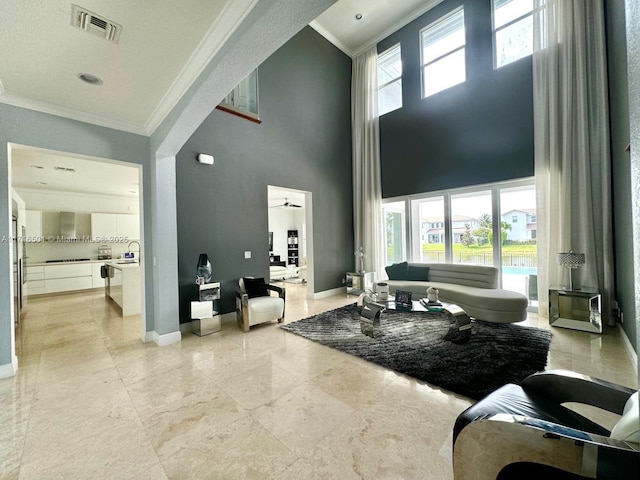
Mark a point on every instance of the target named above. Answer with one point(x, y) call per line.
point(203, 269)
point(432, 295)
point(382, 291)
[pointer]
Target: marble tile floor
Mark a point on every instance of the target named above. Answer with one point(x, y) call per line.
point(90, 400)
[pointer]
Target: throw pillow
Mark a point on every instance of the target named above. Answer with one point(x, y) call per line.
point(255, 287)
point(418, 274)
point(397, 271)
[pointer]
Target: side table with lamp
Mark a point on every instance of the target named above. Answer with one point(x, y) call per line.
point(575, 308)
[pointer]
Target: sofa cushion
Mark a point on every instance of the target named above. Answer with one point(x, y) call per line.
point(417, 273)
point(397, 271)
point(255, 287)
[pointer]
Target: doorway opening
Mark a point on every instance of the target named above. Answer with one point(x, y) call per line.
point(291, 237)
point(75, 215)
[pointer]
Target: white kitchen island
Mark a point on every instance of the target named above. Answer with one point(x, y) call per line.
point(123, 286)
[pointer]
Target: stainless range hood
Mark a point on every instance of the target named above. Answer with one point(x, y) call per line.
point(68, 225)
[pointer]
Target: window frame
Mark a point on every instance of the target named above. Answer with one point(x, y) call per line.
point(463, 47)
point(397, 46)
point(411, 215)
point(495, 30)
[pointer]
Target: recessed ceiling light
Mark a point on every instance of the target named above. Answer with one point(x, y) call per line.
point(358, 16)
point(42, 183)
point(38, 167)
point(65, 169)
point(90, 79)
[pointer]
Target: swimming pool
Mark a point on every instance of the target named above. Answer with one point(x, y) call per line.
point(519, 270)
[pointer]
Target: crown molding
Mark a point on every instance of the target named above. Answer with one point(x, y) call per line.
point(232, 15)
point(70, 113)
point(428, 5)
point(331, 38)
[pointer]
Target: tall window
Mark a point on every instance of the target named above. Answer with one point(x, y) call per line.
point(512, 30)
point(389, 80)
point(443, 53)
point(472, 227)
point(492, 224)
point(394, 228)
point(428, 239)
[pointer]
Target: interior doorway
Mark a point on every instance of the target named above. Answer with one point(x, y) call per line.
point(63, 198)
point(291, 236)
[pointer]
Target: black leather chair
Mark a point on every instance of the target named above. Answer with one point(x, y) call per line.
point(524, 432)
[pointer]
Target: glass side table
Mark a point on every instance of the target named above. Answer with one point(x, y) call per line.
point(359, 282)
point(575, 309)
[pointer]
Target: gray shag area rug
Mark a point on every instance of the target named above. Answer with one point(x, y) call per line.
point(412, 343)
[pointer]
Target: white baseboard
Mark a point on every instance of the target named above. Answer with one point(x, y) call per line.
point(166, 339)
point(9, 369)
point(147, 337)
point(627, 343)
point(330, 293)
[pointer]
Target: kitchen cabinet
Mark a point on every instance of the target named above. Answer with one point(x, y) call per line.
point(128, 226)
point(96, 279)
point(35, 280)
point(63, 277)
point(67, 277)
point(103, 225)
point(123, 286)
point(109, 225)
point(33, 225)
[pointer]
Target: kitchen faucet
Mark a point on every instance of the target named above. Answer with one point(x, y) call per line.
point(129, 246)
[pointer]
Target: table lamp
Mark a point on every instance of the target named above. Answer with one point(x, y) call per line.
point(571, 261)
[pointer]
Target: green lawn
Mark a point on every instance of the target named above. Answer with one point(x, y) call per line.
point(512, 255)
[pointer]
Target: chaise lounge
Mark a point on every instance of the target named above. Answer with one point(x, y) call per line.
point(472, 287)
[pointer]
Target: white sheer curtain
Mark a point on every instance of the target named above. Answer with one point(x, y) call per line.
point(572, 159)
point(367, 188)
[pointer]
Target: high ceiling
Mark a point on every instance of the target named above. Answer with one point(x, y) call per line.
point(379, 19)
point(160, 49)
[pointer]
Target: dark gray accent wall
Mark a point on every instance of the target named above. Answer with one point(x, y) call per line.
point(303, 142)
point(477, 132)
point(621, 169)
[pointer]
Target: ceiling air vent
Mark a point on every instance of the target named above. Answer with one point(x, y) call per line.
point(92, 23)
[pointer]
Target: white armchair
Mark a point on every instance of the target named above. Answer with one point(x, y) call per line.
point(255, 304)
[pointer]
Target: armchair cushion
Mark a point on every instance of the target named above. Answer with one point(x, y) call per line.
point(628, 427)
point(513, 400)
point(255, 287)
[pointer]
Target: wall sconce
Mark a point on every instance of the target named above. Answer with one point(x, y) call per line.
point(206, 159)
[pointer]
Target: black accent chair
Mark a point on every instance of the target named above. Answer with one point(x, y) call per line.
point(524, 432)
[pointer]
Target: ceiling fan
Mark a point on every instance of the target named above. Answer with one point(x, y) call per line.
point(286, 204)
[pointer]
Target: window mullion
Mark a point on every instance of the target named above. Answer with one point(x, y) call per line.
point(511, 22)
point(450, 52)
point(380, 87)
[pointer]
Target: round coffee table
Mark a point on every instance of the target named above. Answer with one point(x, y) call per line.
point(460, 329)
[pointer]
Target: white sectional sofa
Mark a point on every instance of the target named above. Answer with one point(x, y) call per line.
point(472, 287)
